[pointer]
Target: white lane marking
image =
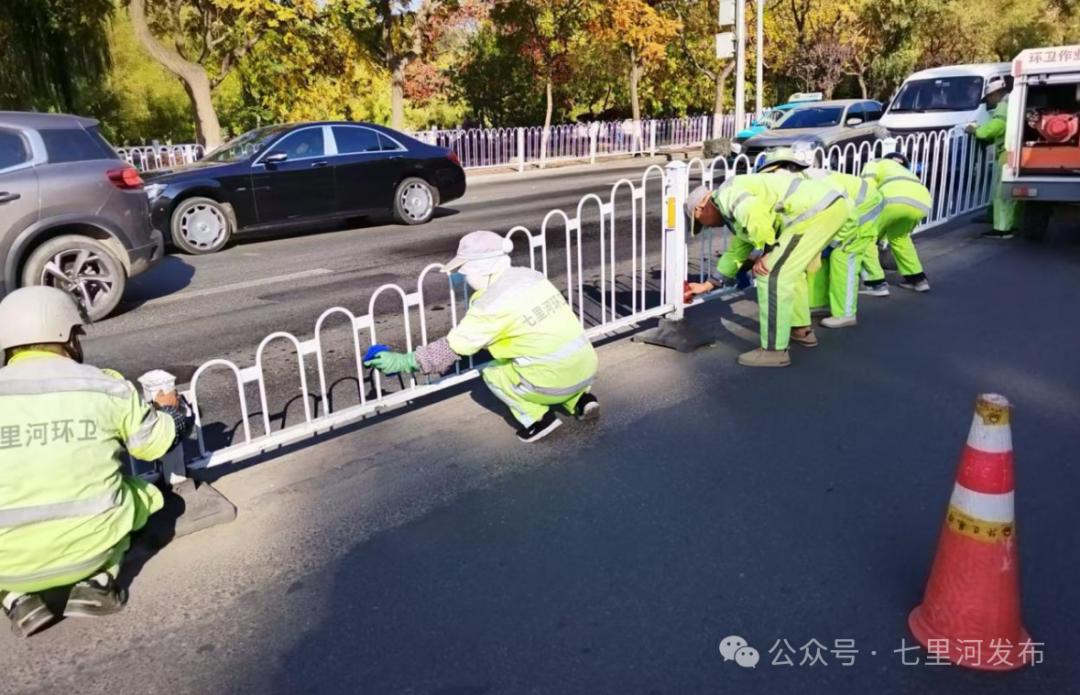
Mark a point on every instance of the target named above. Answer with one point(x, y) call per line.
point(179, 296)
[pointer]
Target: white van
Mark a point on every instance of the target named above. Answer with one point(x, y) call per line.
point(941, 98)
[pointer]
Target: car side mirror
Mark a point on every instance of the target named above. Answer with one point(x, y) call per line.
point(275, 158)
point(853, 122)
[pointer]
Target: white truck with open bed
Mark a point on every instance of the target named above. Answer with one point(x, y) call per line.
point(1042, 140)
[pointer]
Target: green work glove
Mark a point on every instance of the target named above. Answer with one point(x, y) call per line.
point(393, 362)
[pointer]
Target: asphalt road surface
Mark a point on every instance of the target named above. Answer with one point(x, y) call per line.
point(430, 553)
point(190, 309)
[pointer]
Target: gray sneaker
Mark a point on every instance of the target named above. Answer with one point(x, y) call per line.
point(880, 290)
point(917, 286)
point(839, 321)
point(27, 612)
point(99, 595)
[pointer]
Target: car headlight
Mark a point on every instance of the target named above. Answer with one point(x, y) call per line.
point(153, 190)
point(736, 147)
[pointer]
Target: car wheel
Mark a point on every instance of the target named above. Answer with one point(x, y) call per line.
point(414, 201)
point(83, 267)
point(200, 225)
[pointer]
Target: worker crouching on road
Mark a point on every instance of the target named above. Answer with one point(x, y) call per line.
point(790, 220)
point(542, 356)
point(992, 132)
point(847, 248)
point(66, 508)
point(907, 202)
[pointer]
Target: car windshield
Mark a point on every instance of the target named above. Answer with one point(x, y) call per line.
point(768, 118)
point(812, 117)
point(940, 94)
point(247, 145)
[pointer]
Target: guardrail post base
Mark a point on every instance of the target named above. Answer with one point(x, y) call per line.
point(201, 507)
point(673, 331)
point(676, 334)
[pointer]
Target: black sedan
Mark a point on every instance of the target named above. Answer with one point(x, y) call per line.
point(288, 176)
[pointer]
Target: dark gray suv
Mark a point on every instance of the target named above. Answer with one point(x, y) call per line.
point(72, 213)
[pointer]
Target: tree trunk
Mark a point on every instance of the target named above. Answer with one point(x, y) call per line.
point(546, 134)
point(862, 86)
point(397, 95)
point(718, 102)
point(196, 82)
point(635, 101)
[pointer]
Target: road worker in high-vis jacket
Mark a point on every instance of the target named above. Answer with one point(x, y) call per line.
point(790, 220)
point(542, 357)
point(907, 202)
point(1005, 209)
point(847, 248)
point(66, 508)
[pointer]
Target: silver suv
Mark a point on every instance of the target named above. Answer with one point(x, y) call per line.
point(72, 214)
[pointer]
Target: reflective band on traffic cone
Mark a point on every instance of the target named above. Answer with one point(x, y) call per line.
point(971, 610)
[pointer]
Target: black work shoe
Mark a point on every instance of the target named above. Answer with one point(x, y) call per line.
point(91, 598)
point(997, 234)
point(538, 430)
point(587, 408)
point(27, 612)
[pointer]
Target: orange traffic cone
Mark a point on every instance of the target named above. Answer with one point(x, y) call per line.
point(970, 613)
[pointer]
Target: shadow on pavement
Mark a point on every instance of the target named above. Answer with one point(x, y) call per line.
point(170, 275)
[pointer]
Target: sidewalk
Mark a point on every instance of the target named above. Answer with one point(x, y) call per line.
point(430, 552)
point(566, 168)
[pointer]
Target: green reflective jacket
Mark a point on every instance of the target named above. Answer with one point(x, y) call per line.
point(524, 319)
point(758, 207)
point(993, 131)
point(63, 429)
point(864, 198)
point(897, 184)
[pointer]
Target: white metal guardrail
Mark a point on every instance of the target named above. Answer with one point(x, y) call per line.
point(483, 148)
point(618, 298)
point(150, 157)
point(957, 170)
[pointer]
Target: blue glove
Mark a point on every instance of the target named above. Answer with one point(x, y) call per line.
point(827, 252)
point(374, 350)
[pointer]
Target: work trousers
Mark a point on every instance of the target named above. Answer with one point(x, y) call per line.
point(785, 286)
point(526, 405)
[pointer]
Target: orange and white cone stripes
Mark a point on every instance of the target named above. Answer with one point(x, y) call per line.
point(971, 608)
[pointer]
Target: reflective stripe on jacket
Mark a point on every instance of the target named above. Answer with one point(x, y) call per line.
point(524, 319)
point(864, 198)
point(63, 429)
point(898, 185)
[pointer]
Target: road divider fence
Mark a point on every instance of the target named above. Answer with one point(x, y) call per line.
point(486, 148)
point(615, 273)
point(153, 157)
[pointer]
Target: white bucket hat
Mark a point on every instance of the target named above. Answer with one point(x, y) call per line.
point(479, 252)
point(997, 83)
